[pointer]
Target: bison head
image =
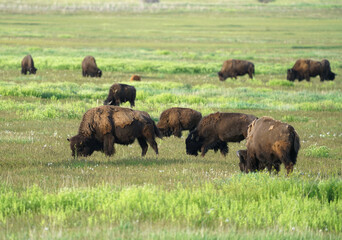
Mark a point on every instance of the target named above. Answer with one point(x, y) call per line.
point(33, 70)
point(242, 155)
point(193, 143)
point(221, 76)
point(82, 146)
point(330, 76)
point(291, 74)
point(99, 73)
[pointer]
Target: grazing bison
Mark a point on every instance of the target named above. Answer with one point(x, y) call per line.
point(269, 144)
point(135, 78)
point(89, 67)
point(27, 65)
point(103, 126)
point(120, 93)
point(175, 120)
point(233, 68)
point(306, 68)
point(216, 130)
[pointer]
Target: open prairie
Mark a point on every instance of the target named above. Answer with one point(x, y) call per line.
point(177, 48)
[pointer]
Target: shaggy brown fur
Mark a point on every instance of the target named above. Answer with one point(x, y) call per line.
point(216, 130)
point(89, 67)
point(233, 68)
point(119, 93)
point(27, 65)
point(269, 144)
point(103, 126)
point(174, 120)
point(306, 68)
point(135, 78)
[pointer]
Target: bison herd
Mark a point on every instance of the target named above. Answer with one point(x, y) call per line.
point(302, 69)
point(269, 142)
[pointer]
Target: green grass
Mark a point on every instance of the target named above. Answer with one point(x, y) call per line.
point(177, 48)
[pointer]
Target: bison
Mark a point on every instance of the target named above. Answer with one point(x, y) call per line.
point(103, 126)
point(233, 68)
point(269, 144)
point(120, 93)
point(306, 68)
point(27, 65)
point(135, 78)
point(89, 67)
point(216, 130)
point(175, 120)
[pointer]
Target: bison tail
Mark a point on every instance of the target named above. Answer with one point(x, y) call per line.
point(294, 139)
point(156, 131)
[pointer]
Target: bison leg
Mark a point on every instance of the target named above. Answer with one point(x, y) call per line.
point(108, 144)
point(148, 133)
point(23, 71)
point(177, 132)
point(143, 145)
point(132, 103)
point(84, 73)
point(223, 148)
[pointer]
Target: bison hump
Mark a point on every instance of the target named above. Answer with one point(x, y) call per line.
point(123, 118)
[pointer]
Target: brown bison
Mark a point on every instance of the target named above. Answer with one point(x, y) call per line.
point(103, 126)
point(27, 65)
point(175, 120)
point(89, 67)
point(120, 93)
point(306, 68)
point(233, 68)
point(135, 78)
point(216, 130)
point(269, 144)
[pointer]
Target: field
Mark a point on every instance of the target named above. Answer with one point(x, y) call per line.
point(177, 48)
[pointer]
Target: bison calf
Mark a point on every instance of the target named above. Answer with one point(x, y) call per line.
point(269, 144)
point(175, 120)
point(120, 93)
point(103, 126)
point(27, 65)
point(233, 68)
point(306, 68)
point(216, 130)
point(89, 67)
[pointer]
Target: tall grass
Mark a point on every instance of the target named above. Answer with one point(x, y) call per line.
point(241, 201)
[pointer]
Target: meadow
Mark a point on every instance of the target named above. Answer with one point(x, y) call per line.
point(177, 48)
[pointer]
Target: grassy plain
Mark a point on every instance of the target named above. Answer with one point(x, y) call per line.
point(177, 48)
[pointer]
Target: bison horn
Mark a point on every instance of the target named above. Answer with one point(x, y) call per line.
point(68, 139)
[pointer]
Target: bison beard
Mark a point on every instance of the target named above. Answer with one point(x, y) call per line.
point(216, 130)
point(269, 144)
point(174, 120)
point(103, 126)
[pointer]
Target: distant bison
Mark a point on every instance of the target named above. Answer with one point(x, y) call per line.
point(175, 120)
point(120, 93)
point(269, 144)
point(135, 78)
point(216, 130)
point(233, 68)
point(103, 126)
point(27, 65)
point(89, 67)
point(306, 68)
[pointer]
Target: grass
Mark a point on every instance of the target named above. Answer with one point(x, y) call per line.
point(46, 194)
